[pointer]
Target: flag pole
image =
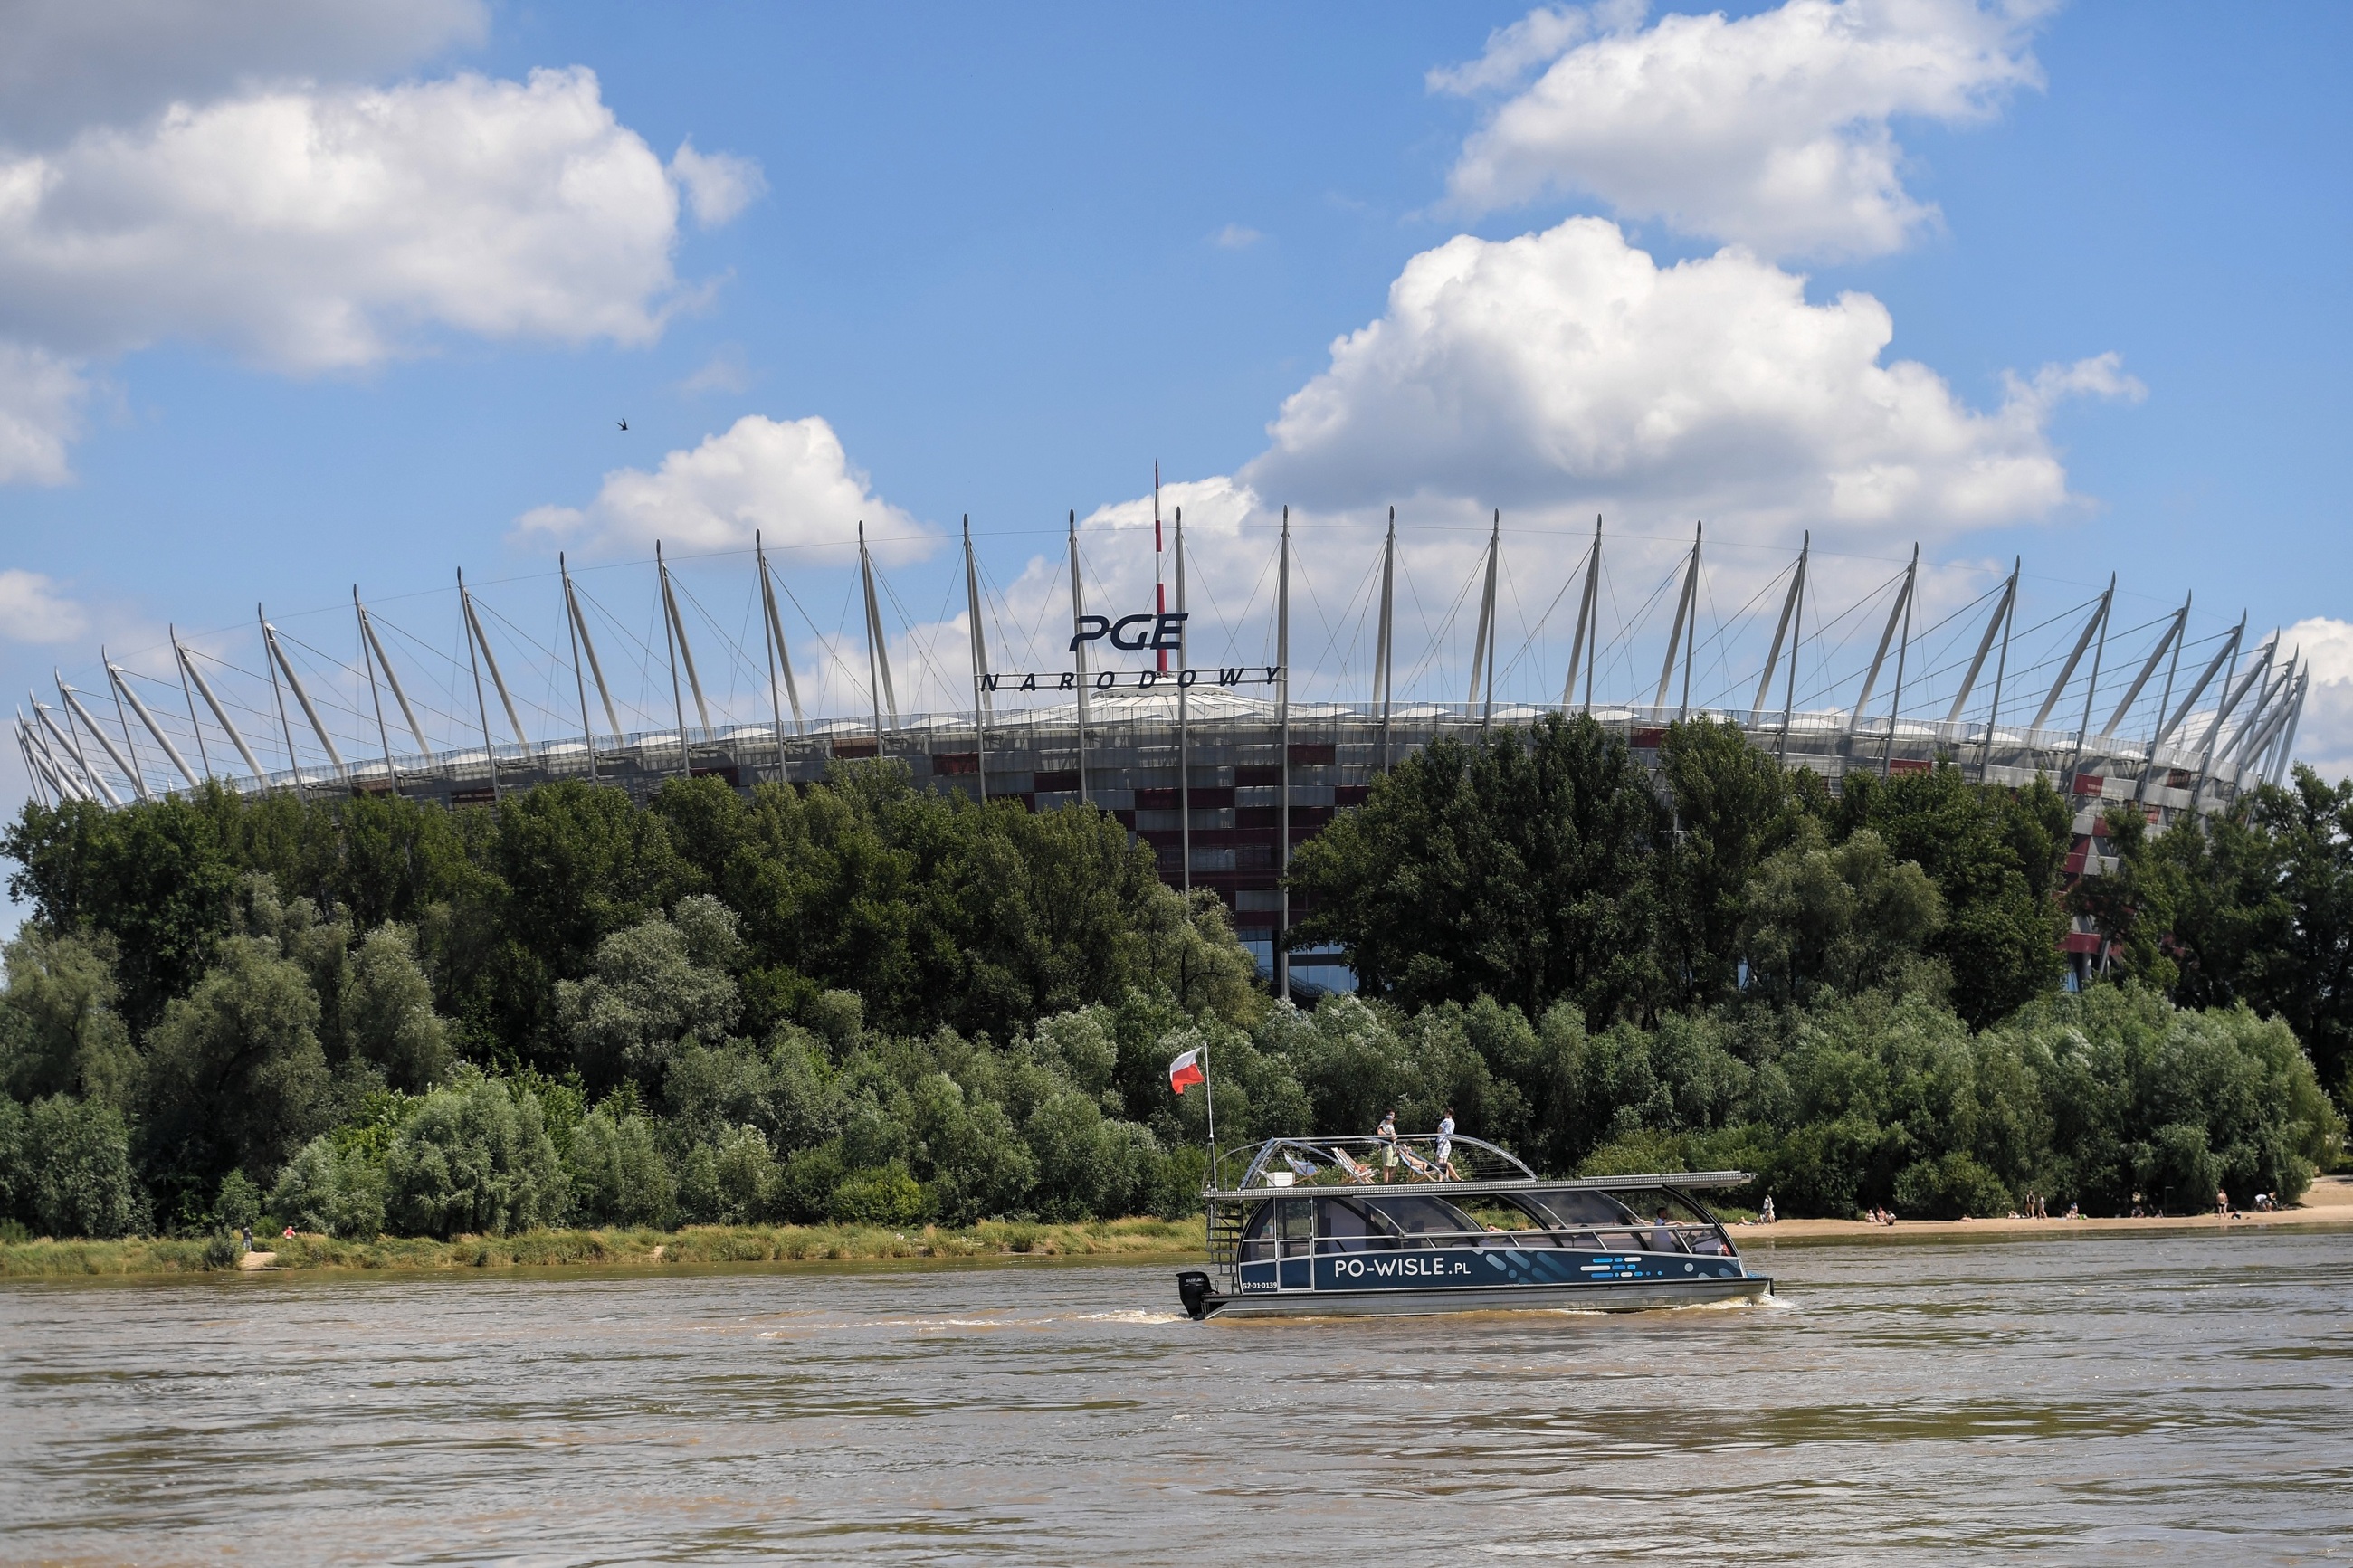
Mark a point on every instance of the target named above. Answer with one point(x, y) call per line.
point(1210, 1096)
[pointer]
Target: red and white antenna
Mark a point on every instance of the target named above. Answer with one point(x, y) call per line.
point(1159, 586)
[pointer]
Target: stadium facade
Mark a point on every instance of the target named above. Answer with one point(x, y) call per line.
point(1219, 769)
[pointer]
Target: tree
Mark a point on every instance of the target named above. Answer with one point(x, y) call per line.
point(2131, 906)
point(1195, 957)
point(387, 1008)
point(234, 1076)
point(647, 997)
point(1994, 855)
point(1850, 918)
point(1730, 811)
point(1519, 868)
point(2265, 913)
point(152, 876)
point(60, 1030)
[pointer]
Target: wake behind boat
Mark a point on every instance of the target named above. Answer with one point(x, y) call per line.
point(1408, 1225)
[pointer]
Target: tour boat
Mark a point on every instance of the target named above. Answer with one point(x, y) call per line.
point(1411, 1224)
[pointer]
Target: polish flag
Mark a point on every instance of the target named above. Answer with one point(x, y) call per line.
point(1186, 1070)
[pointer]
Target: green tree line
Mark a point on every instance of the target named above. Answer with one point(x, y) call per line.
point(862, 1002)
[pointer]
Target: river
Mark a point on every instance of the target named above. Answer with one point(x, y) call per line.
point(2143, 1398)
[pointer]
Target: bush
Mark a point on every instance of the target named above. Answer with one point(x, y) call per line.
point(80, 1157)
point(474, 1158)
point(16, 1166)
point(1173, 1183)
point(618, 1174)
point(975, 1164)
point(2175, 1169)
point(1834, 1168)
point(810, 1177)
point(731, 1180)
point(332, 1190)
point(238, 1203)
point(887, 1195)
point(1954, 1186)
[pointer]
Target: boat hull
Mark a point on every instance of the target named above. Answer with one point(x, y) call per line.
point(1611, 1296)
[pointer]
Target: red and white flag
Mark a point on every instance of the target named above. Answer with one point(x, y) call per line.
point(1186, 1070)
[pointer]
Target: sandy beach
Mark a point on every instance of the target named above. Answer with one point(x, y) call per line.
point(2330, 1202)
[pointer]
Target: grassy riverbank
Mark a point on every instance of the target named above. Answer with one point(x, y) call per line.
point(613, 1247)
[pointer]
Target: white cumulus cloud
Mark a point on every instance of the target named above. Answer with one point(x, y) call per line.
point(2324, 737)
point(1774, 130)
point(789, 478)
point(33, 611)
point(316, 230)
point(717, 185)
point(40, 412)
point(224, 175)
point(1568, 370)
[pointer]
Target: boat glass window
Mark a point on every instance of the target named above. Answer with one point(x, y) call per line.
point(1512, 1220)
point(1687, 1228)
point(1576, 1209)
point(1295, 1225)
point(1500, 1214)
point(1348, 1226)
point(1255, 1246)
point(1416, 1217)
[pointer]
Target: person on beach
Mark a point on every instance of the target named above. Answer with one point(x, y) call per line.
point(2222, 1205)
point(1446, 1146)
point(1387, 1134)
point(1765, 1215)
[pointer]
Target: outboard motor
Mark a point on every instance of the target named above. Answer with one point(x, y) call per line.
point(1193, 1290)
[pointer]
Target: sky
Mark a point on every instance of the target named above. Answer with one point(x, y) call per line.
point(296, 298)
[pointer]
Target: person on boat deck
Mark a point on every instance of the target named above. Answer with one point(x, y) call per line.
point(1662, 1233)
point(1387, 1134)
point(1446, 1146)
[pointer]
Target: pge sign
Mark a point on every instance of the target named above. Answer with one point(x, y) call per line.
point(1158, 633)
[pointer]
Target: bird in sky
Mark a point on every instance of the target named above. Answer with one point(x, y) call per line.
point(622, 423)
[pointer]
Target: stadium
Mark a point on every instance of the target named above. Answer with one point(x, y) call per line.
point(1220, 765)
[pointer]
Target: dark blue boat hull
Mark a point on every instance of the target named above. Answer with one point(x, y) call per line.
point(1484, 1279)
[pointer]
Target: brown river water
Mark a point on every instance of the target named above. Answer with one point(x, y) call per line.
point(2133, 1399)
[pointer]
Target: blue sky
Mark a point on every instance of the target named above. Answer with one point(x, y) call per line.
point(1010, 259)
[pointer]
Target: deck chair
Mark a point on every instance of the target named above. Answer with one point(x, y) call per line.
point(1361, 1175)
point(1416, 1168)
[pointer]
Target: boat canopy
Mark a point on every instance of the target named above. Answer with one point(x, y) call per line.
point(1467, 1164)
